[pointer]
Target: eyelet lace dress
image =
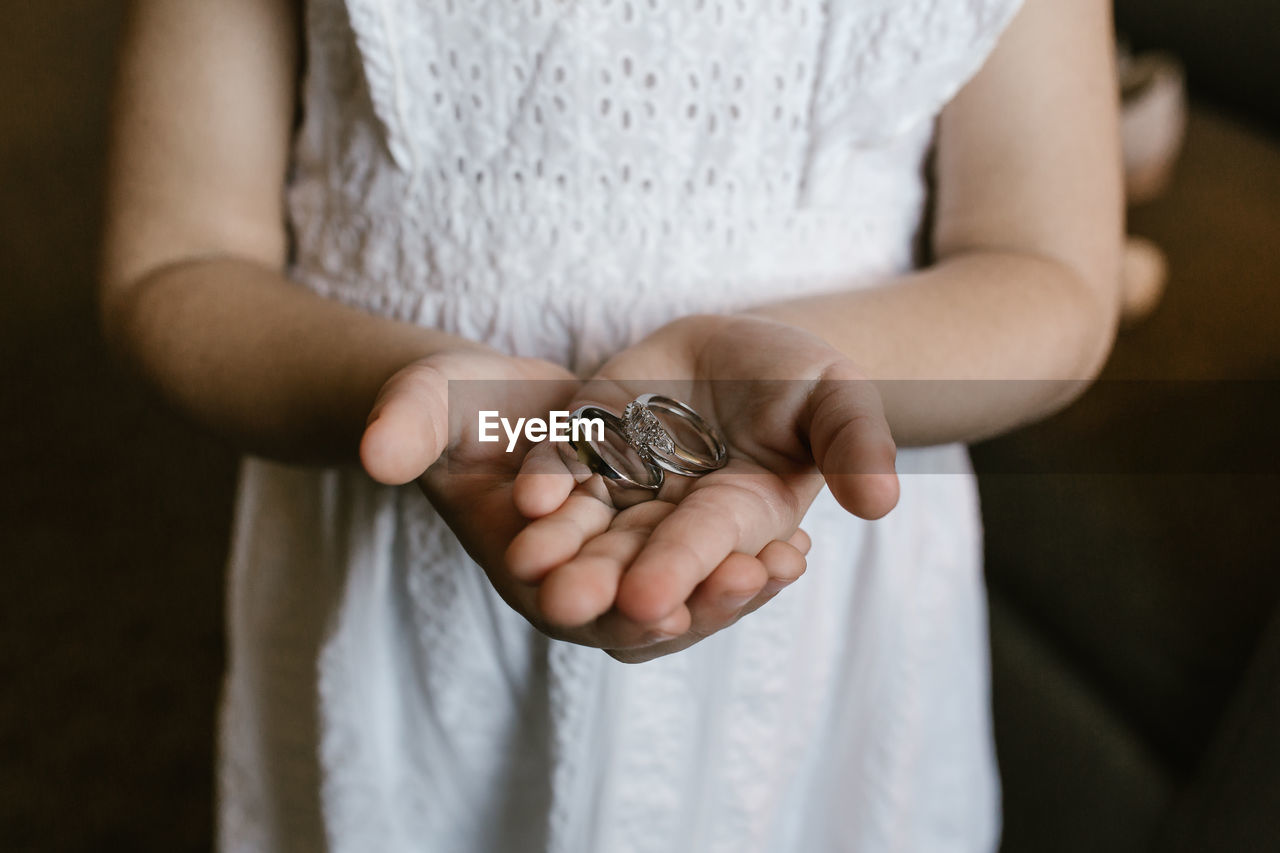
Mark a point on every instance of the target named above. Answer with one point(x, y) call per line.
point(558, 178)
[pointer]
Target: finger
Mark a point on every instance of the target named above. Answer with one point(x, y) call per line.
point(586, 586)
point(408, 427)
point(551, 540)
point(707, 525)
point(784, 563)
point(800, 541)
point(772, 557)
point(615, 632)
point(704, 614)
point(852, 446)
point(543, 483)
point(718, 600)
point(576, 593)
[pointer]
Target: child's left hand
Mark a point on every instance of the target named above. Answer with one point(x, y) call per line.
point(801, 414)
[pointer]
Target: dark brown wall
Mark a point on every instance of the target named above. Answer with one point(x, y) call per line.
point(1231, 48)
point(113, 517)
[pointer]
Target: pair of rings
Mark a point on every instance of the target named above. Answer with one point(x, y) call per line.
point(657, 448)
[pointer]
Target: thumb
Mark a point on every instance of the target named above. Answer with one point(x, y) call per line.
point(851, 443)
point(408, 427)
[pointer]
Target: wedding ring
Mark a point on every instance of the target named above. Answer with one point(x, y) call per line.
point(646, 433)
point(586, 456)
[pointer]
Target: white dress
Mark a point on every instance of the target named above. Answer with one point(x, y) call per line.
point(558, 178)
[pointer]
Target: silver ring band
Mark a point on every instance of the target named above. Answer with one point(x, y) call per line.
point(645, 432)
point(623, 490)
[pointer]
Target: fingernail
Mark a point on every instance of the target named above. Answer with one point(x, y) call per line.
point(656, 637)
point(735, 600)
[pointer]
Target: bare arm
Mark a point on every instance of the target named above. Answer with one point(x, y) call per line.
point(193, 291)
point(1027, 236)
point(194, 295)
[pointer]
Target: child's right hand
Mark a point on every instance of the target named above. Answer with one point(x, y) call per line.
point(470, 483)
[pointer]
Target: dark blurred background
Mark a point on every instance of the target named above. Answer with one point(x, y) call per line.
point(1136, 641)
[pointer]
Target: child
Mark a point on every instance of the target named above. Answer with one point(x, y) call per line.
point(631, 190)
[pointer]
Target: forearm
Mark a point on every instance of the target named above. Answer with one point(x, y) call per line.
point(260, 360)
point(969, 348)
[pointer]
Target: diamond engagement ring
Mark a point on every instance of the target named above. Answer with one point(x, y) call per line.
point(645, 432)
point(632, 467)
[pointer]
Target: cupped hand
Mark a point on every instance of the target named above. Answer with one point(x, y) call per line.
point(419, 430)
point(795, 414)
